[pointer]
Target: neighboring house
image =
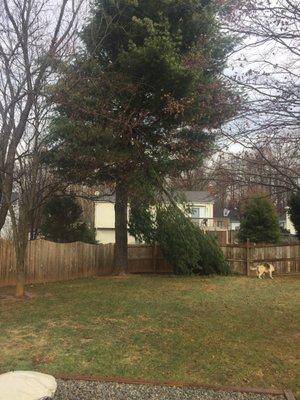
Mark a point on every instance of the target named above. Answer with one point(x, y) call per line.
point(202, 213)
point(201, 206)
point(286, 223)
point(230, 214)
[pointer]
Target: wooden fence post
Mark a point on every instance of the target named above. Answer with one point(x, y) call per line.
point(248, 257)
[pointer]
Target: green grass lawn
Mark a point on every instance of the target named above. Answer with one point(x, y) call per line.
point(231, 331)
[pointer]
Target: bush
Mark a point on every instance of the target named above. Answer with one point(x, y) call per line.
point(61, 222)
point(259, 222)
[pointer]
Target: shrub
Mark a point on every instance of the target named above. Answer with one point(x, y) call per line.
point(61, 221)
point(259, 222)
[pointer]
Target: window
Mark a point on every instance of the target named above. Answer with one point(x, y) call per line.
point(195, 212)
point(202, 212)
point(198, 212)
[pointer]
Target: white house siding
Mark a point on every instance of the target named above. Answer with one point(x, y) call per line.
point(105, 215)
point(289, 225)
point(108, 236)
point(105, 223)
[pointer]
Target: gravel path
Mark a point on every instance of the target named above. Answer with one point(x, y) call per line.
point(81, 390)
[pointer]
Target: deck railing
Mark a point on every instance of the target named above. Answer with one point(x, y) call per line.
point(212, 223)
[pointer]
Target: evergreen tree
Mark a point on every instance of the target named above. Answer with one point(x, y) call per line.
point(188, 249)
point(62, 224)
point(184, 245)
point(142, 97)
point(259, 222)
point(294, 205)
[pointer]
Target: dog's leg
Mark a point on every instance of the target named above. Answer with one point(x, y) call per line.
point(271, 276)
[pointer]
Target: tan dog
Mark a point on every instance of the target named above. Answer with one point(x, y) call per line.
point(262, 269)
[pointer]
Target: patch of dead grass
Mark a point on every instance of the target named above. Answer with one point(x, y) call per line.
point(86, 340)
point(48, 358)
point(180, 286)
point(64, 324)
point(209, 287)
point(132, 359)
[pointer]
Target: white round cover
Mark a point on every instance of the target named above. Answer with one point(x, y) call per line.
point(26, 385)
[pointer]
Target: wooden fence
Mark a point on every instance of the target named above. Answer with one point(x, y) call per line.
point(50, 262)
point(285, 257)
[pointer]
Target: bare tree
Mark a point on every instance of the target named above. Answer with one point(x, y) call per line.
point(33, 35)
point(266, 65)
point(237, 176)
point(33, 185)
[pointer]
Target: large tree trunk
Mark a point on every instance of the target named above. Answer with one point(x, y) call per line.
point(121, 246)
point(21, 243)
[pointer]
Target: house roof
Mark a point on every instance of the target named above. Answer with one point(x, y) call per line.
point(188, 196)
point(197, 197)
point(107, 198)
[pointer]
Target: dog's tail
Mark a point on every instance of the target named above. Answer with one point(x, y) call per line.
point(253, 269)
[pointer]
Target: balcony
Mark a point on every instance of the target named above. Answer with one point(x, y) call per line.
point(212, 223)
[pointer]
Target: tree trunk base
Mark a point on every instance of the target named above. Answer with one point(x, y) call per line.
point(20, 292)
point(121, 273)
